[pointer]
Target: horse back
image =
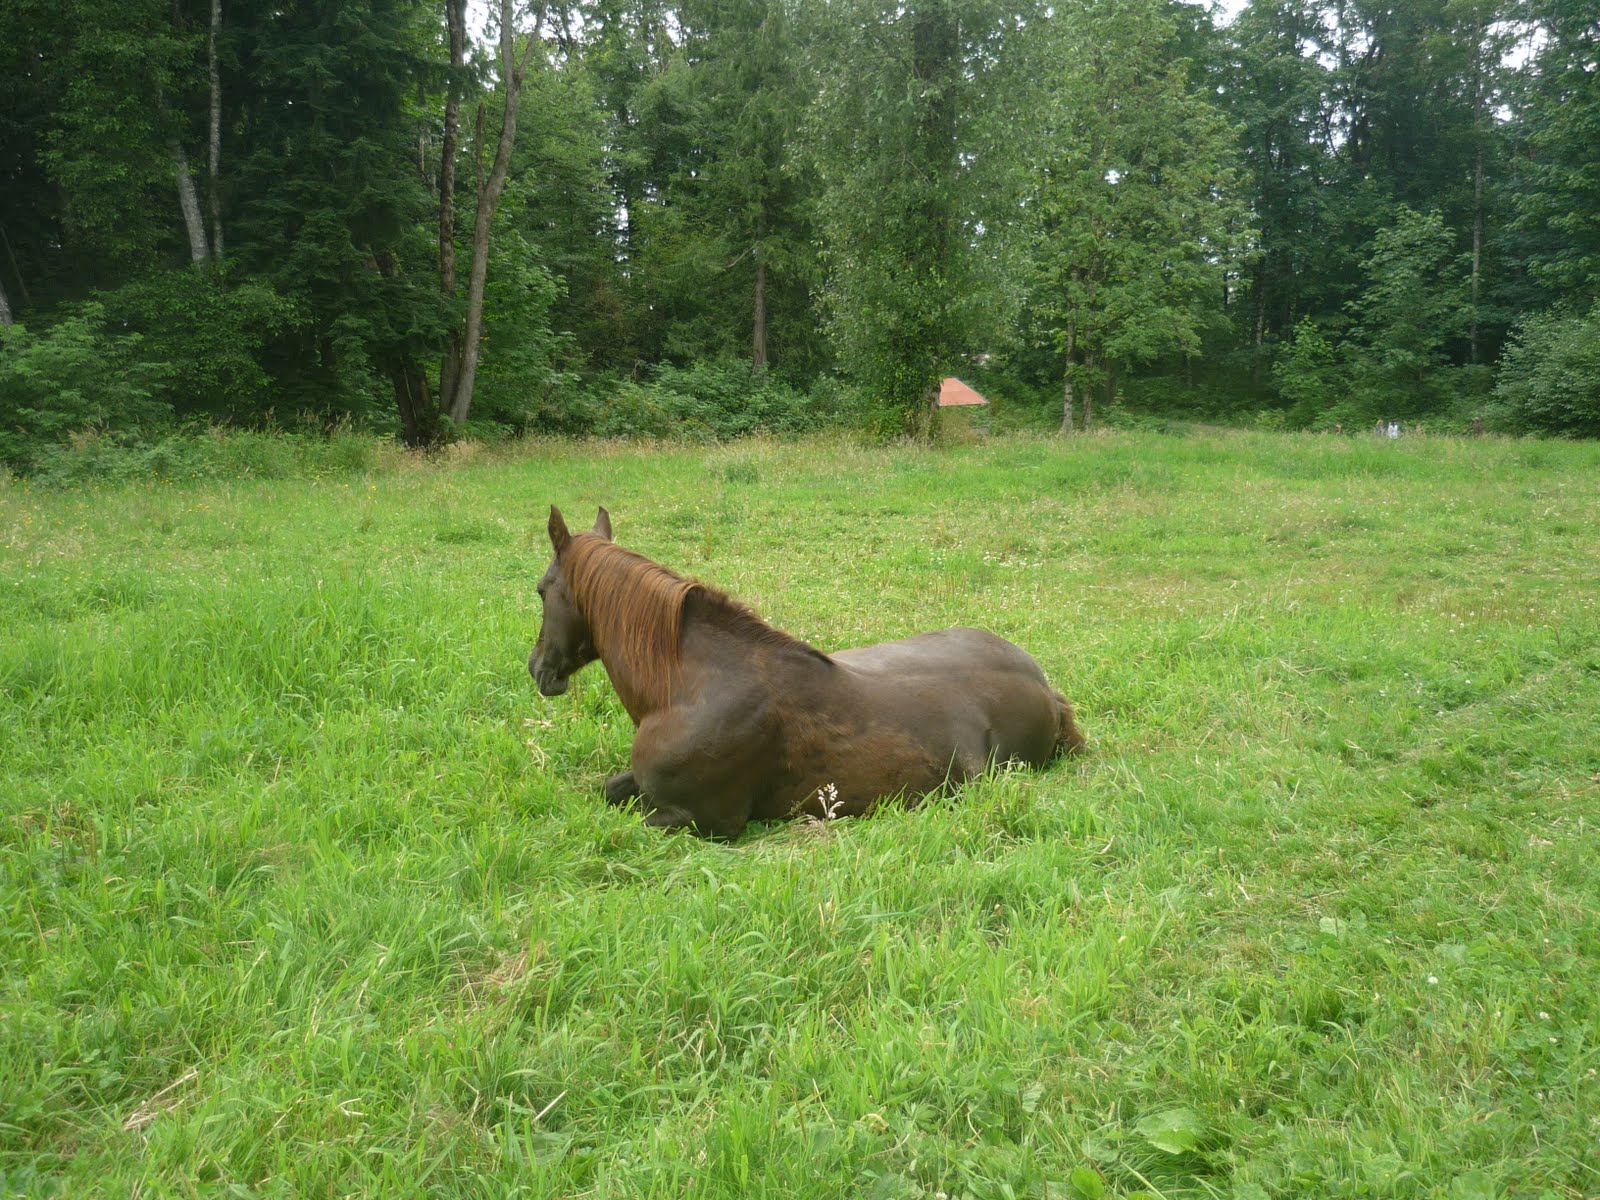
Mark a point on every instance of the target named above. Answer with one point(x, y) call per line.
point(943, 652)
point(970, 695)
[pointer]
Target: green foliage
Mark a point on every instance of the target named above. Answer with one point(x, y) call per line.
point(1405, 317)
point(912, 173)
point(333, 212)
point(522, 354)
point(109, 150)
point(1180, 398)
point(883, 189)
point(204, 454)
point(705, 403)
point(558, 200)
point(1558, 197)
point(73, 378)
point(1550, 375)
point(1139, 218)
point(1278, 94)
point(209, 340)
point(1309, 376)
point(726, 221)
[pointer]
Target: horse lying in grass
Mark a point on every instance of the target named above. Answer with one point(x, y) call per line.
point(737, 720)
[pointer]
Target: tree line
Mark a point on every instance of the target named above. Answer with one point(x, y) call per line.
point(608, 214)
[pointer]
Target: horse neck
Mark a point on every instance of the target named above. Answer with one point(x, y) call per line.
point(644, 620)
point(634, 610)
point(638, 687)
point(707, 631)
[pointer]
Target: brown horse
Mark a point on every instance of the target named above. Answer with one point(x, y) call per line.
point(737, 720)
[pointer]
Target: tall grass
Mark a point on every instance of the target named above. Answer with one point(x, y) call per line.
point(304, 891)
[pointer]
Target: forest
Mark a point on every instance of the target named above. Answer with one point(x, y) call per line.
point(701, 218)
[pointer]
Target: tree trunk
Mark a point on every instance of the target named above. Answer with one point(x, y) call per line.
point(5, 305)
point(930, 411)
point(1066, 378)
point(189, 203)
point(1111, 383)
point(1479, 66)
point(455, 12)
point(488, 201)
point(214, 162)
point(758, 340)
point(419, 415)
point(1477, 249)
point(1088, 392)
point(1261, 324)
point(16, 271)
point(758, 330)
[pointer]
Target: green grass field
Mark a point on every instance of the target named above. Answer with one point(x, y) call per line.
point(304, 891)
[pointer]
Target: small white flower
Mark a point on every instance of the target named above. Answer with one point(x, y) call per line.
point(828, 798)
point(1433, 979)
point(1544, 1016)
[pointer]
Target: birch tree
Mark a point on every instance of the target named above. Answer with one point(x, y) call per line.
point(460, 368)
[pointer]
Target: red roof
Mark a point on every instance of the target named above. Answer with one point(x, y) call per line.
point(953, 393)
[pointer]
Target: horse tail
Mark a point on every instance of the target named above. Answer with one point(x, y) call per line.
point(1068, 739)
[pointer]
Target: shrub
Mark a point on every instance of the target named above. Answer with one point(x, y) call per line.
point(71, 378)
point(205, 453)
point(706, 402)
point(1310, 377)
point(208, 339)
point(1410, 309)
point(721, 400)
point(1550, 375)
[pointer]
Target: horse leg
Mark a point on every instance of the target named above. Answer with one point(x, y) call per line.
point(624, 789)
point(687, 778)
point(621, 788)
point(672, 817)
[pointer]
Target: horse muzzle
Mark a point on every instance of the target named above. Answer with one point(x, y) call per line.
point(546, 680)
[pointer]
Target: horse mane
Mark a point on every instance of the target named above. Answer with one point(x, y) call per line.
point(634, 609)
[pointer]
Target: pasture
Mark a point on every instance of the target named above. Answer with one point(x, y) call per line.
point(304, 891)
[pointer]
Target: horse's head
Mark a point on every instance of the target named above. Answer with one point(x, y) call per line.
point(565, 643)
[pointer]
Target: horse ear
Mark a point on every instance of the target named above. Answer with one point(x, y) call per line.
point(602, 525)
point(559, 537)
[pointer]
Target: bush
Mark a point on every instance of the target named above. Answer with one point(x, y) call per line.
point(1410, 309)
point(208, 339)
point(72, 378)
point(1228, 399)
point(720, 400)
point(707, 402)
point(1550, 375)
point(197, 453)
point(1310, 377)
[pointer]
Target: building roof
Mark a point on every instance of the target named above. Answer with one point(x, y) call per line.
point(953, 393)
